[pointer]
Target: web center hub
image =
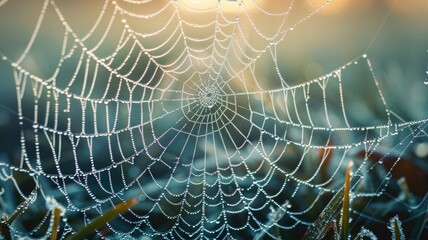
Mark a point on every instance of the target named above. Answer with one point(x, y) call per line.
point(209, 96)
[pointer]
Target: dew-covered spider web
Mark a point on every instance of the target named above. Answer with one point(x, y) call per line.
point(185, 106)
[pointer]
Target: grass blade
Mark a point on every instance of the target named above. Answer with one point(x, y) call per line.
point(405, 189)
point(102, 220)
point(56, 217)
point(22, 208)
point(5, 231)
point(345, 207)
point(396, 229)
point(318, 230)
point(6, 222)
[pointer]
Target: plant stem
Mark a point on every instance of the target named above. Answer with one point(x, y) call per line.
point(18, 211)
point(6, 222)
point(396, 230)
point(405, 188)
point(102, 220)
point(5, 231)
point(345, 208)
point(324, 221)
point(56, 217)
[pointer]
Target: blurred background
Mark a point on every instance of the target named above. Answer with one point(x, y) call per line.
point(393, 33)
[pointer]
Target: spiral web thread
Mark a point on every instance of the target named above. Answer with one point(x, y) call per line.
point(164, 102)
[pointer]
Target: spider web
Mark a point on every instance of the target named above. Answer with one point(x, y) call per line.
point(166, 102)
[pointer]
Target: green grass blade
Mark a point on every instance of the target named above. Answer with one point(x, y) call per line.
point(396, 231)
point(405, 189)
point(102, 220)
point(5, 231)
point(56, 217)
point(364, 234)
point(22, 208)
point(323, 221)
point(6, 222)
point(344, 233)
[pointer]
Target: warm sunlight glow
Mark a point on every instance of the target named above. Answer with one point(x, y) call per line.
point(337, 6)
point(213, 119)
point(204, 5)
